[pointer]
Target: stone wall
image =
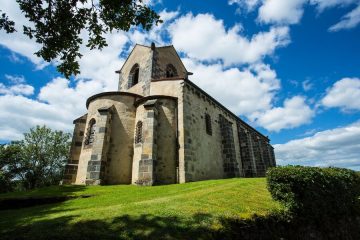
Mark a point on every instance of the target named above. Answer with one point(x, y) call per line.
point(247, 156)
point(259, 160)
point(121, 143)
point(233, 148)
point(115, 133)
point(167, 165)
point(256, 152)
point(230, 164)
point(141, 55)
point(175, 88)
point(205, 153)
point(140, 116)
point(148, 160)
point(155, 154)
point(71, 167)
point(164, 56)
point(152, 63)
point(271, 155)
point(99, 148)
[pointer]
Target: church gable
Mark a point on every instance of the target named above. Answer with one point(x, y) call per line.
point(167, 64)
point(149, 63)
point(135, 74)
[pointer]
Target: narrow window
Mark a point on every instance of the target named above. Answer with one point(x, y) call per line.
point(171, 71)
point(134, 76)
point(208, 124)
point(91, 132)
point(138, 132)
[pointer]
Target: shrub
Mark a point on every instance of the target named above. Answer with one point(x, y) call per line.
point(5, 183)
point(316, 192)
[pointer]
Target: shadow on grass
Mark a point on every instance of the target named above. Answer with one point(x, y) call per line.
point(17, 209)
point(49, 195)
point(197, 227)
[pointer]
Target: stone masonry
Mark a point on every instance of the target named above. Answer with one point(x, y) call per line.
point(161, 128)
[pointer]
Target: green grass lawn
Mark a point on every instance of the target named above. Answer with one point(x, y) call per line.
point(181, 211)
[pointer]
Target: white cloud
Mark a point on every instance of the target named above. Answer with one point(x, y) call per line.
point(290, 11)
point(242, 91)
point(100, 65)
point(13, 57)
point(294, 113)
point(58, 93)
point(252, 88)
point(167, 16)
point(323, 4)
point(56, 106)
point(20, 113)
point(18, 42)
point(150, 2)
point(211, 41)
point(250, 92)
point(307, 85)
point(344, 94)
point(249, 5)
point(335, 147)
point(156, 33)
point(95, 64)
point(15, 79)
point(281, 11)
point(60, 101)
point(19, 89)
point(308, 133)
point(350, 20)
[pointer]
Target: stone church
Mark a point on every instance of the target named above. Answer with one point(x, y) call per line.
point(160, 128)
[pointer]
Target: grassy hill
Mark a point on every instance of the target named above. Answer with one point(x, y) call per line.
point(182, 211)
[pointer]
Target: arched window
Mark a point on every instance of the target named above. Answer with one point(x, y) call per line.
point(138, 132)
point(134, 75)
point(171, 71)
point(208, 124)
point(90, 137)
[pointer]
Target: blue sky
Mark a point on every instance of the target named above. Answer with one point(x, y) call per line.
point(290, 68)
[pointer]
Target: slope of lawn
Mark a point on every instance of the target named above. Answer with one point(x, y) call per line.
point(179, 211)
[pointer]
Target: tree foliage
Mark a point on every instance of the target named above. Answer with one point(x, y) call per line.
point(9, 156)
point(58, 24)
point(38, 160)
point(6, 24)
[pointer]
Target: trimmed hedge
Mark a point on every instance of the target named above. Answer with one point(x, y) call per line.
point(315, 192)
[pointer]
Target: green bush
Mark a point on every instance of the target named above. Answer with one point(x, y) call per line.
point(6, 184)
point(316, 192)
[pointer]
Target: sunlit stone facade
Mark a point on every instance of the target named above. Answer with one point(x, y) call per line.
point(160, 128)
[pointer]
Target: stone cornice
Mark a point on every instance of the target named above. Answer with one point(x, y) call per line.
point(138, 102)
point(115, 93)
